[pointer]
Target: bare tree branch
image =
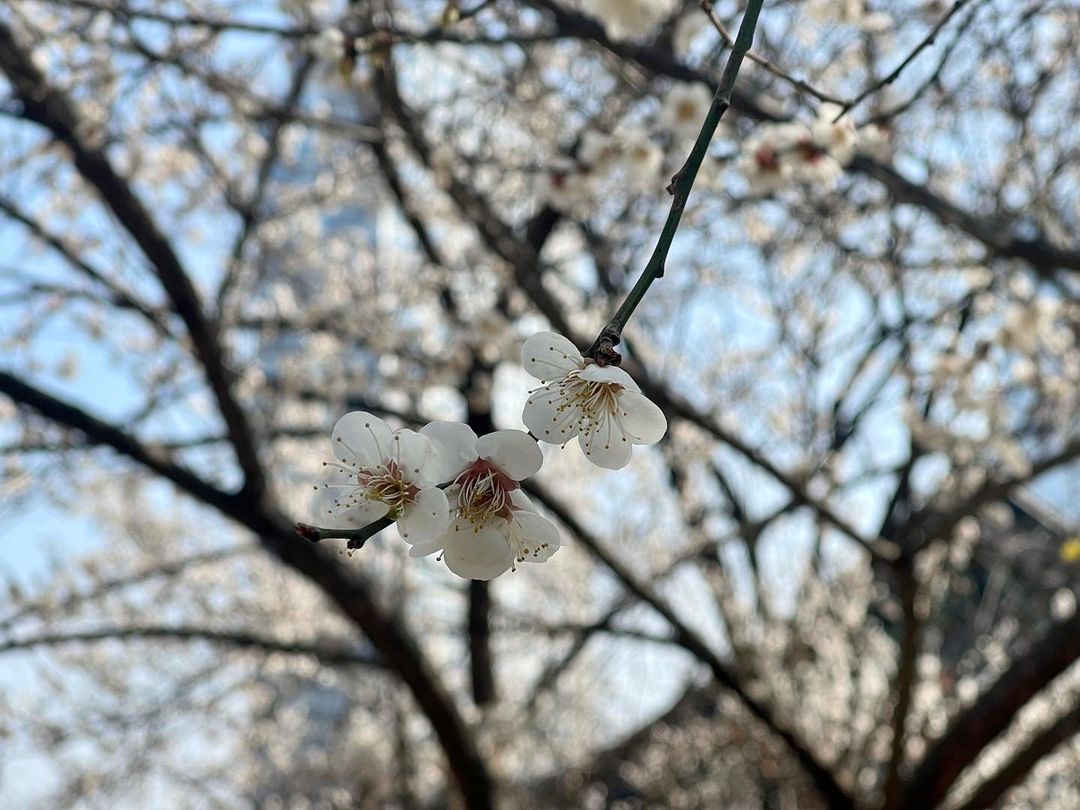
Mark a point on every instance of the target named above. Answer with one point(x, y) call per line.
point(831, 791)
point(1019, 766)
point(346, 589)
point(325, 653)
point(991, 714)
point(53, 110)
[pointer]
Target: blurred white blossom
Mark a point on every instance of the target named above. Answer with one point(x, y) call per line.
point(629, 19)
point(684, 109)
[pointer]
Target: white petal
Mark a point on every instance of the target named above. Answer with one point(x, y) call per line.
point(537, 536)
point(512, 451)
point(455, 449)
point(426, 518)
point(482, 553)
point(362, 514)
point(520, 500)
point(411, 451)
point(549, 418)
point(609, 374)
point(548, 356)
point(642, 420)
point(363, 437)
point(605, 446)
point(425, 549)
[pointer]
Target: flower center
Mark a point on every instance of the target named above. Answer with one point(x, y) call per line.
point(387, 483)
point(484, 492)
point(593, 399)
point(809, 151)
point(686, 111)
point(767, 159)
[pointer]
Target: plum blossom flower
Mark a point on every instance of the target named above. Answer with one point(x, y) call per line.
point(687, 29)
point(778, 154)
point(764, 160)
point(601, 405)
point(874, 141)
point(567, 187)
point(641, 159)
point(328, 45)
point(684, 109)
point(837, 138)
point(387, 473)
point(494, 525)
point(598, 150)
point(629, 19)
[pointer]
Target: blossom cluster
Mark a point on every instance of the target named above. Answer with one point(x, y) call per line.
point(452, 492)
point(629, 19)
point(780, 154)
point(629, 157)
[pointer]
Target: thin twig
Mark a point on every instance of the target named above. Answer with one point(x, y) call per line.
point(603, 348)
point(927, 41)
point(758, 59)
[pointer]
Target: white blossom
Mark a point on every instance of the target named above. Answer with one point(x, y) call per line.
point(601, 405)
point(832, 11)
point(764, 160)
point(837, 138)
point(687, 29)
point(388, 473)
point(567, 189)
point(328, 45)
point(641, 158)
point(684, 109)
point(816, 168)
point(493, 524)
point(629, 19)
point(778, 154)
point(874, 141)
point(598, 150)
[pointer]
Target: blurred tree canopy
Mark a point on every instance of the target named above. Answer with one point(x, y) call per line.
point(847, 577)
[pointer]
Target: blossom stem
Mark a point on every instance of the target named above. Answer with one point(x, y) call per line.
point(356, 537)
point(602, 349)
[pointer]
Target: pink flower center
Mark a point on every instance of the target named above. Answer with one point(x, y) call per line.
point(767, 159)
point(484, 492)
point(809, 151)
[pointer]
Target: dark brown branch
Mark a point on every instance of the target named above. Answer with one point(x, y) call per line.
point(834, 795)
point(249, 209)
point(66, 604)
point(651, 57)
point(325, 653)
point(120, 297)
point(673, 405)
point(1043, 257)
point(345, 588)
point(481, 669)
point(54, 111)
point(992, 713)
point(800, 85)
point(477, 390)
point(926, 42)
point(522, 257)
point(929, 524)
point(98, 432)
point(1016, 769)
point(905, 681)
